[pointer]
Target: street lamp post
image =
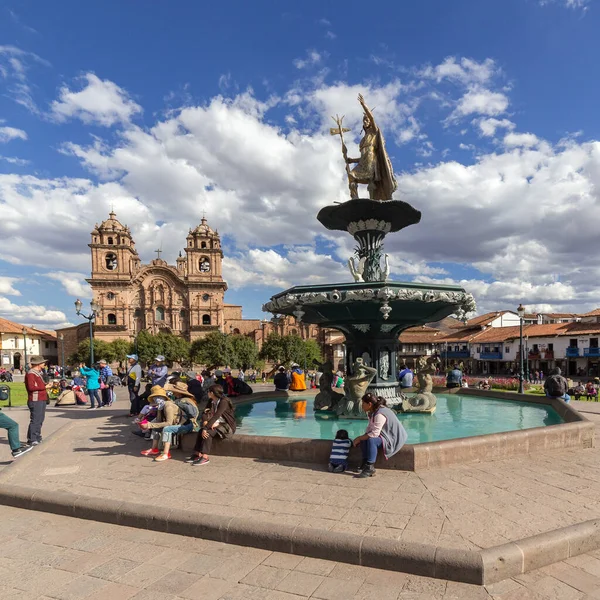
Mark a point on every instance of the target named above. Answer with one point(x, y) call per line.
point(521, 313)
point(61, 337)
point(527, 358)
point(24, 332)
point(90, 318)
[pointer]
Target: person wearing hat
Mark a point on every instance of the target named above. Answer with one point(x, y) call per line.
point(167, 416)
point(37, 397)
point(219, 379)
point(107, 389)
point(158, 371)
point(134, 380)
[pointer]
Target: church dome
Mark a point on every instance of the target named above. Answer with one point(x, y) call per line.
point(205, 229)
point(112, 224)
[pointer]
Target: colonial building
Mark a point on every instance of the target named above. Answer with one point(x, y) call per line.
point(186, 299)
point(18, 342)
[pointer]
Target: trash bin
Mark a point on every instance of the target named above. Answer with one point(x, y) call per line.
point(5, 394)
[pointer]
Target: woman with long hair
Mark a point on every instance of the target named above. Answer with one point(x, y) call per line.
point(218, 420)
point(383, 431)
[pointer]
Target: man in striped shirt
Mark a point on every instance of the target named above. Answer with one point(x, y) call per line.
point(338, 459)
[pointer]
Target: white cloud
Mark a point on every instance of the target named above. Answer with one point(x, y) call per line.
point(526, 140)
point(73, 283)
point(7, 286)
point(465, 71)
point(312, 58)
point(14, 65)
point(489, 126)
point(481, 101)
point(11, 133)
point(14, 160)
point(100, 102)
point(40, 316)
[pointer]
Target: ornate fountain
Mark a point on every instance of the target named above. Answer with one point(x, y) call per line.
point(372, 311)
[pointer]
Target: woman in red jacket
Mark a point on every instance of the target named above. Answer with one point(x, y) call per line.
point(37, 397)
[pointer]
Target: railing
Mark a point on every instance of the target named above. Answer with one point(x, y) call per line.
point(548, 354)
point(490, 355)
point(572, 351)
point(534, 356)
point(591, 351)
point(110, 327)
point(456, 354)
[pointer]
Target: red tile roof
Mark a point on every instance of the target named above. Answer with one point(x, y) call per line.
point(592, 313)
point(485, 319)
point(497, 334)
point(7, 326)
point(420, 335)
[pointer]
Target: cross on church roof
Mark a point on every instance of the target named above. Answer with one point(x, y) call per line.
point(158, 253)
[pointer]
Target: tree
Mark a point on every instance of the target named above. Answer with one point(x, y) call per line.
point(172, 347)
point(82, 354)
point(244, 352)
point(120, 348)
point(213, 350)
point(289, 349)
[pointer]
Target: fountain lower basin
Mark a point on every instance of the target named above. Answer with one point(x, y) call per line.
point(575, 431)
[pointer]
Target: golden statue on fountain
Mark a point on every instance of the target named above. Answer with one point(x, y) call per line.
point(373, 168)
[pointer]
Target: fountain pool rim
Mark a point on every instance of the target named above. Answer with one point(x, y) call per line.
point(575, 432)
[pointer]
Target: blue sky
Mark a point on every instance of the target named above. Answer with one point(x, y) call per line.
point(167, 109)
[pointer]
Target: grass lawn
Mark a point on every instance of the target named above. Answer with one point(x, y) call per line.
point(18, 395)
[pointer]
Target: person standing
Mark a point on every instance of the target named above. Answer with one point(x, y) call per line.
point(134, 380)
point(37, 397)
point(92, 384)
point(158, 371)
point(106, 388)
point(12, 428)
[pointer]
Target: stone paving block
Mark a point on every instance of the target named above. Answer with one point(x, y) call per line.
point(82, 587)
point(207, 588)
point(265, 576)
point(302, 584)
point(279, 595)
point(370, 591)
point(337, 589)
point(114, 569)
point(281, 560)
point(577, 578)
point(464, 591)
point(232, 569)
point(550, 587)
point(45, 581)
point(316, 566)
point(114, 591)
point(242, 591)
point(174, 582)
point(200, 564)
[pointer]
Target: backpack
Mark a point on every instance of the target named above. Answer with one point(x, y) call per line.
point(189, 410)
point(555, 386)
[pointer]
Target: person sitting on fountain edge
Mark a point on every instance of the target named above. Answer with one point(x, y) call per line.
point(556, 386)
point(281, 380)
point(298, 383)
point(405, 377)
point(383, 431)
point(454, 378)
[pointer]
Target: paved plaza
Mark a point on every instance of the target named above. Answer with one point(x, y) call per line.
point(469, 507)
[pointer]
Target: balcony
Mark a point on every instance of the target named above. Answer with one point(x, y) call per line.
point(548, 354)
point(491, 356)
point(591, 351)
point(572, 351)
point(534, 356)
point(456, 354)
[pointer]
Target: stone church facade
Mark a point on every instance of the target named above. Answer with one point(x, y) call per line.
point(186, 299)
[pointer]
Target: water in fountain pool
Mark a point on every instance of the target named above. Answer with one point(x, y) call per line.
point(455, 417)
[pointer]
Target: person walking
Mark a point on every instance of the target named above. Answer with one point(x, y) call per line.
point(37, 397)
point(134, 380)
point(92, 376)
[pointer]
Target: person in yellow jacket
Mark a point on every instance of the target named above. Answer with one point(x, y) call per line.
point(298, 383)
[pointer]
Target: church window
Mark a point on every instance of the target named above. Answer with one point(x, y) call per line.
point(110, 296)
point(236, 331)
point(111, 261)
point(203, 245)
point(205, 297)
point(205, 319)
point(182, 314)
point(112, 319)
point(294, 332)
point(137, 313)
point(160, 313)
point(110, 241)
point(204, 265)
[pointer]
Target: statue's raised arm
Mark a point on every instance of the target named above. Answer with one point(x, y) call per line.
point(373, 168)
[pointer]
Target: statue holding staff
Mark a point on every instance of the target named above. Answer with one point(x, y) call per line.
point(373, 168)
